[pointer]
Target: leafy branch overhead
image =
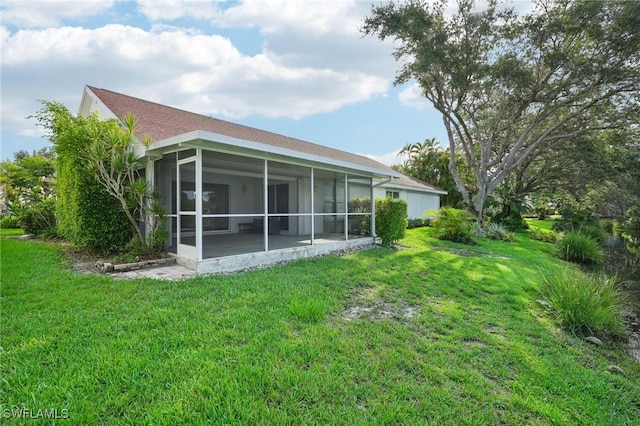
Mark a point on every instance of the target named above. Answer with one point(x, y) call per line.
point(510, 87)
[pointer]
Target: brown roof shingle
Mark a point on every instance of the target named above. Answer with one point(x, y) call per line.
point(162, 122)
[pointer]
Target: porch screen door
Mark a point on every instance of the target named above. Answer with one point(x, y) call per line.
point(187, 199)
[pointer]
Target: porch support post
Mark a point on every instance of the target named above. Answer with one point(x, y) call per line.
point(346, 207)
point(373, 214)
point(265, 191)
point(198, 200)
point(313, 215)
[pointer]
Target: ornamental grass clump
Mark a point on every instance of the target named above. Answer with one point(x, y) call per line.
point(577, 248)
point(585, 304)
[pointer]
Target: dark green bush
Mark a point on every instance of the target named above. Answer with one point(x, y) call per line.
point(585, 304)
point(86, 214)
point(416, 223)
point(574, 218)
point(596, 233)
point(607, 226)
point(578, 248)
point(514, 222)
point(453, 225)
point(391, 219)
point(38, 219)
point(10, 222)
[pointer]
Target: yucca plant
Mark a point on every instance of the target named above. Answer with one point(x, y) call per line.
point(497, 231)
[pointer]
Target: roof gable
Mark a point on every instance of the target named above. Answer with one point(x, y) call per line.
point(162, 122)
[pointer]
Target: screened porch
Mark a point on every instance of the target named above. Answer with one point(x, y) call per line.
point(222, 204)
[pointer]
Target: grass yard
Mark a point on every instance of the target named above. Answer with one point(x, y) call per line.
point(436, 333)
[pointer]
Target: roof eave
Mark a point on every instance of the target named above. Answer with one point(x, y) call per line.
point(416, 188)
point(193, 138)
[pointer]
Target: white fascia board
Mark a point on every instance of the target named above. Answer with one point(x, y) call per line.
point(104, 112)
point(415, 188)
point(196, 135)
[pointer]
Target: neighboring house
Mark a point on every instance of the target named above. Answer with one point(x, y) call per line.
point(239, 197)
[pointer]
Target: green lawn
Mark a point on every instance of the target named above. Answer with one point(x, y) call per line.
point(273, 346)
point(545, 224)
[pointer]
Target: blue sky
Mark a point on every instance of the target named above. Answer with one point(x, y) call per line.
point(299, 68)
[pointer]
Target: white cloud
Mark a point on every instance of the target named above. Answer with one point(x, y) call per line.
point(168, 10)
point(412, 97)
point(44, 13)
point(390, 159)
point(317, 17)
point(201, 73)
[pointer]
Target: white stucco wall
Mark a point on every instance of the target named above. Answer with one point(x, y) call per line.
point(417, 202)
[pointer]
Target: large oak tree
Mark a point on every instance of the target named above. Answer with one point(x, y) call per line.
point(510, 87)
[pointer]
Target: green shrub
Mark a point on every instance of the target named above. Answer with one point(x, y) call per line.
point(39, 218)
point(543, 235)
point(495, 231)
point(391, 219)
point(10, 222)
point(585, 304)
point(513, 222)
point(453, 225)
point(596, 233)
point(477, 230)
point(87, 215)
point(630, 230)
point(416, 223)
point(578, 248)
point(307, 309)
point(607, 226)
point(574, 218)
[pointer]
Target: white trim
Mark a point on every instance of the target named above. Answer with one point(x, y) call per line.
point(204, 136)
point(415, 188)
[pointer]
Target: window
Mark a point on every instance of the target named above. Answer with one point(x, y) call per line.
point(393, 194)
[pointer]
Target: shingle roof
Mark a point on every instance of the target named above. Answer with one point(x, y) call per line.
point(162, 122)
point(416, 183)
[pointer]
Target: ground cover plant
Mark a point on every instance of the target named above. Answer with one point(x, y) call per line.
point(444, 333)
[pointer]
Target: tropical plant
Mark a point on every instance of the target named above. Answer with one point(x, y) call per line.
point(93, 152)
point(86, 214)
point(453, 225)
point(429, 162)
point(496, 231)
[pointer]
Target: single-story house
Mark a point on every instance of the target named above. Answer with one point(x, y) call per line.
point(239, 197)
